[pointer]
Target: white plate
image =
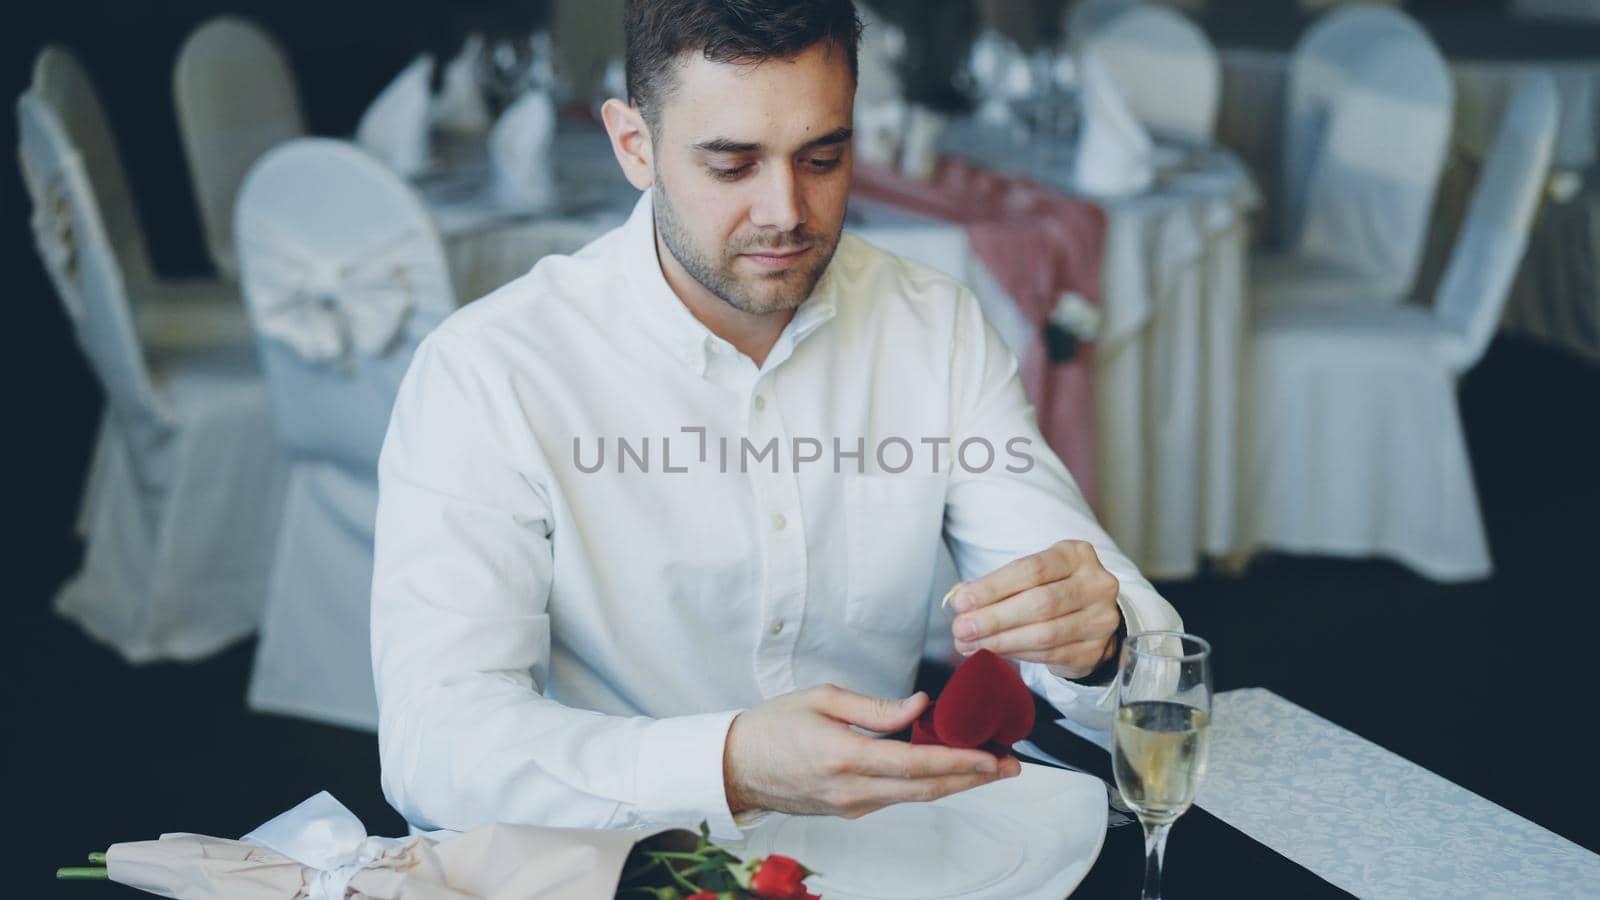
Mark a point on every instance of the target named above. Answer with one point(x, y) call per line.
point(1033, 836)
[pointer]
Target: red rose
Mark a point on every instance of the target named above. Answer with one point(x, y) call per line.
point(701, 895)
point(779, 878)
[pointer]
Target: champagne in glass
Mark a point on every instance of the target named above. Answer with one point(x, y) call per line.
point(1160, 734)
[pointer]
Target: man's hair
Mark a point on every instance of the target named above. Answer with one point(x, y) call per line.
point(656, 32)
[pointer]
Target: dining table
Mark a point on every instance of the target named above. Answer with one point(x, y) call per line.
point(1294, 805)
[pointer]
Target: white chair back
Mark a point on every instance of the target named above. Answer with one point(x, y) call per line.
point(1323, 60)
point(343, 272)
point(1472, 294)
point(72, 242)
point(1370, 189)
point(62, 84)
point(1166, 68)
point(236, 98)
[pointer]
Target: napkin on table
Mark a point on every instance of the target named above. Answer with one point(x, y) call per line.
point(1115, 154)
point(520, 152)
point(985, 705)
point(395, 127)
point(460, 107)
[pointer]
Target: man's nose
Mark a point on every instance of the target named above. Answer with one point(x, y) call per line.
point(778, 203)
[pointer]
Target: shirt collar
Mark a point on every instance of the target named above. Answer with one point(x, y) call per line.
point(671, 322)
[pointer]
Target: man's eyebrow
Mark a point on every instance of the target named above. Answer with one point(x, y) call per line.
point(728, 145)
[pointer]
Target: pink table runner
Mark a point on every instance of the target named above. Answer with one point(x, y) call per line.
point(1039, 244)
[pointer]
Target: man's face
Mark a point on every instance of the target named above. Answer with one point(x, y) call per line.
point(752, 174)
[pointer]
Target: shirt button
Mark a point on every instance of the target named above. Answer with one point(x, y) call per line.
point(777, 626)
point(761, 402)
point(778, 522)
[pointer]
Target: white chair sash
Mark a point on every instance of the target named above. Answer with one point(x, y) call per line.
point(1328, 55)
point(329, 309)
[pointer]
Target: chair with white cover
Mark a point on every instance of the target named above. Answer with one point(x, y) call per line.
point(166, 312)
point(1166, 68)
point(1353, 439)
point(1368, 192)
point(1323, 60)
point(344, 273)
point(236, 99)
point(184, 487)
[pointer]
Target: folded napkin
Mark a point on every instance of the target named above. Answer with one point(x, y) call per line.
point(1115, 154)
point(1000, 74)
point(395, 127)
point(985, 705)
point(520, 152)
point(460, 106)
point(880, 128)
point(919, 154)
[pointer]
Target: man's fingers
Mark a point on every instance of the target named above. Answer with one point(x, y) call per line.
point(1055, 614)
point(1051, 564)
point(1036, 604)
point(872, 713)
point(895, 759)
point(866, 794)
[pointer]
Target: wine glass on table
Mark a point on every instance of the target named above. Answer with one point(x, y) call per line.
point(1160, 734)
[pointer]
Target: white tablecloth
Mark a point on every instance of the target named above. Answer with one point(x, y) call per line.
point(1167, 362)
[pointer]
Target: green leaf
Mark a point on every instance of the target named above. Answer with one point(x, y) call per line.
point(82, 873)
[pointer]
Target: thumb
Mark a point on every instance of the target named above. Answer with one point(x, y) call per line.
point(882, 714)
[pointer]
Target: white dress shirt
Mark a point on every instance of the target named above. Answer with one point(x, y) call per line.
point(563, 647)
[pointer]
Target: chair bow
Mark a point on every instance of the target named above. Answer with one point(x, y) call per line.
point(56, 239)
point(322, 834)
point(327, 309)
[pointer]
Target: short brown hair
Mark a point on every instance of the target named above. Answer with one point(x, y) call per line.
point(656, 32)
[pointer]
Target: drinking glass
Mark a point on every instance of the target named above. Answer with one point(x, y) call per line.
point(1160, 734)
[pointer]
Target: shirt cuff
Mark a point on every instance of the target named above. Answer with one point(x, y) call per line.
point(1090, 706)
point(678, 775)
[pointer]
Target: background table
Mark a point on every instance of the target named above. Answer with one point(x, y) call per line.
point(1167, 360)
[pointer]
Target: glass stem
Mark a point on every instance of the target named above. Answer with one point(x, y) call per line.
point(1155, 851)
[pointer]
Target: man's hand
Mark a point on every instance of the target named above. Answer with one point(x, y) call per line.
point(797, 754)
point(1058, 607)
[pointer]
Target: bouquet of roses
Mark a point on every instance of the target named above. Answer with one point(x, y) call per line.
point(663, 868)
point(319, 850)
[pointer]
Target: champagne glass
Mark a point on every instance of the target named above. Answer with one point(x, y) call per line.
point(1160, 734)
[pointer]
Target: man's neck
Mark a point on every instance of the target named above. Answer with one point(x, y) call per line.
point(752, 334)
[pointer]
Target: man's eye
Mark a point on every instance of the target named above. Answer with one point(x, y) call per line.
point(825, 164)
point(727, 174)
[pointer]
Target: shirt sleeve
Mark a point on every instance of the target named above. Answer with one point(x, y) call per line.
point(461, 590)
point(1026, 501)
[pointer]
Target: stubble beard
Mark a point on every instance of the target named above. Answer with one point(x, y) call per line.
point(718, 277)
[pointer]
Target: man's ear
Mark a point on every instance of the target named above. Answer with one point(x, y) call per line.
point(630, 141)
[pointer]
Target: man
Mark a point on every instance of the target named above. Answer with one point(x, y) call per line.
point(687, 625)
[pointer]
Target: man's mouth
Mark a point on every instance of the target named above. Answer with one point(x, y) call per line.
point(777, 260)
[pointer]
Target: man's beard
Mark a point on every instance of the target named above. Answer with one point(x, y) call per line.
point(793, 286)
